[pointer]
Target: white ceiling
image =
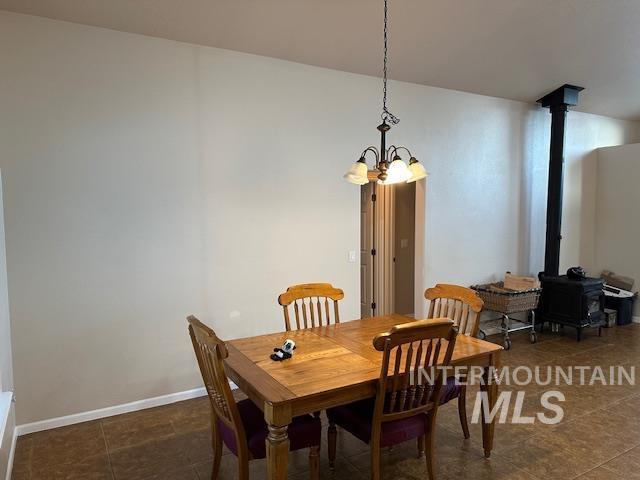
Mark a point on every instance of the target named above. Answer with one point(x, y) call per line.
point(517, 49)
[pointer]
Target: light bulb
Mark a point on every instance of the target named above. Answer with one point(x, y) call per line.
point(396, 173)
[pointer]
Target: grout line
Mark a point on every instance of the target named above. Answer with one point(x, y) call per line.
point(607, 461)
point(106, 446)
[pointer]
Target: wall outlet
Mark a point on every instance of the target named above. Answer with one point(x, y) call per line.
point(352, 256)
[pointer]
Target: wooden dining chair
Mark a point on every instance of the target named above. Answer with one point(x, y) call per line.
point(240, 425)
point(402, 409)
point(310, 305)
point(463, 306)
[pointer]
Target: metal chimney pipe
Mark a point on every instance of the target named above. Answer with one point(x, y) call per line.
point(557, 102)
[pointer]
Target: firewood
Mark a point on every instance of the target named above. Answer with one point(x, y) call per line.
point(519, 284)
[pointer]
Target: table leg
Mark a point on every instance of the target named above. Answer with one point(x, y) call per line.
point(278, 419)
point(491, 387)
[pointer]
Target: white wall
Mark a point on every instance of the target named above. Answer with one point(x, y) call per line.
point(147, 179)
point(617, 239)
point(6, 368)
point(586, 133)
point(7, 415)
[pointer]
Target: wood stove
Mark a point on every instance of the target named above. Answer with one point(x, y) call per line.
point(577, 303)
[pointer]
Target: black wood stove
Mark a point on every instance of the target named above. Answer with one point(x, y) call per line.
point(579, 302)
point(576, 303)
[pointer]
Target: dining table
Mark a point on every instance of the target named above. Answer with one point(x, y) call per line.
point(332, 365)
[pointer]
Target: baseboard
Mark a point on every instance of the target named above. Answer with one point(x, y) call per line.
point(12, 453)
point(635, 319)
point(109, 411)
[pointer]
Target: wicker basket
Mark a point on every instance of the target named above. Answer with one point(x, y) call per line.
point(498, 299)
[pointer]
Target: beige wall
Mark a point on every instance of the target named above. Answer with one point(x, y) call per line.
point(617, 238)
point(147, 179)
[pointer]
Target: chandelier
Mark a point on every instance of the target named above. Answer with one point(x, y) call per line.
point(389, 168)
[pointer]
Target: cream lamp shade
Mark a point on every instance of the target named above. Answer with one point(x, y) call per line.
point(357, 174)
point(417, 170)
point(397, 172)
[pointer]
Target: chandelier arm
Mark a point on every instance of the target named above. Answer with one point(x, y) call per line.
point(372, 149)
point(395, 149)
point(389, 153)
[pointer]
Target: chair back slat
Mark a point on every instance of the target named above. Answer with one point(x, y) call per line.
point(326, 309)
point(312, 316)
point(460, 304)
point(414, 391)
point(210, 352)
point(406, 349)
point(450, 309)
point(312, 299)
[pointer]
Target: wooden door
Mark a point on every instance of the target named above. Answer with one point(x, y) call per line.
point(366, 247)
point(383, 239)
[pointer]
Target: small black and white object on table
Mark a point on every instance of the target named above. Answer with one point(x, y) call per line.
point(285, 352)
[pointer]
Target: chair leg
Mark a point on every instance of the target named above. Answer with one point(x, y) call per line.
point(429, 443)
point(462, 411)
point(420, 446)
point(429, 453)
point(217, 448)
point(243, 468)
point(375, 461)
point(314, 462)
point(332, 435)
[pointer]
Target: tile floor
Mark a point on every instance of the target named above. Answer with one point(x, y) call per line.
point(599, 439)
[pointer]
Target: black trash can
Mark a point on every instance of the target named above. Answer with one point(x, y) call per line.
point(622, 305)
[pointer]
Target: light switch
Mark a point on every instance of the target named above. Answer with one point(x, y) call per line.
point(352, 256)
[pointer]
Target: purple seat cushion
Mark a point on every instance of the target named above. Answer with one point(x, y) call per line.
point(356, 418)
point(303, 432)
point(450, 391)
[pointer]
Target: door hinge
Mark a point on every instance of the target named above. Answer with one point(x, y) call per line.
point(373, 251)
point(373, 197)
point(373, 306)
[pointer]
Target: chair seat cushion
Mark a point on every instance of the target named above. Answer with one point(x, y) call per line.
point(303, 432)
point(356, 418)
point(450, 391)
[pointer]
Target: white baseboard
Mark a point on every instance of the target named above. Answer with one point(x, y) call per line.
point(12, 453)
point(635, 319)
point(109, 411)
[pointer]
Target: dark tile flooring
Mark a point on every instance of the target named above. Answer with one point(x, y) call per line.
point(599, 438)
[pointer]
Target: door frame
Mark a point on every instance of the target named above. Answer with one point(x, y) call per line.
point(383, 267)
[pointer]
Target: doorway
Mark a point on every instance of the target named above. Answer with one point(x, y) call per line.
point(388, 253)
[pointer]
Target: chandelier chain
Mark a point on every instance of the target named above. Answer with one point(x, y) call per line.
point(387, 116)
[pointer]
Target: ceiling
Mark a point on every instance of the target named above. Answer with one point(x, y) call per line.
point(516, 49)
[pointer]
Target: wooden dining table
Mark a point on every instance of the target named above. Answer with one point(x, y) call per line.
point(332, 365)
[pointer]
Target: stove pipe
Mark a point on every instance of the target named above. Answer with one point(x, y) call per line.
point(557, 102)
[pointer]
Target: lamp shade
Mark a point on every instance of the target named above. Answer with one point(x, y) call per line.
point(396, 173)
point(357, 174)
point(417, 171)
